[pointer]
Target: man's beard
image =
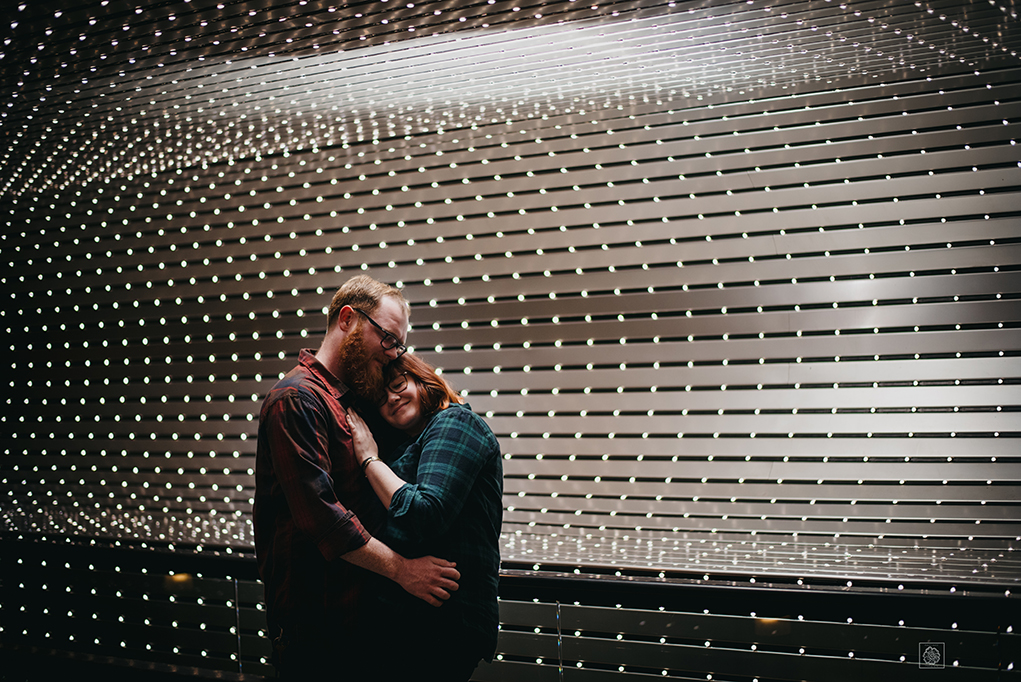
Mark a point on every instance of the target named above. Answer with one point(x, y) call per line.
point(360, 373)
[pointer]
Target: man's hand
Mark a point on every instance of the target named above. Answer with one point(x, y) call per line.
point(428, 578)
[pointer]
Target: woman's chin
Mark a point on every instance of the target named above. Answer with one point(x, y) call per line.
point(396, 421)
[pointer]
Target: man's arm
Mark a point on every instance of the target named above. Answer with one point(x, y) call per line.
point(295, 427)
point(427, 578)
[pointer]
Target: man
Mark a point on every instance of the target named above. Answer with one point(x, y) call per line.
point(314, 511)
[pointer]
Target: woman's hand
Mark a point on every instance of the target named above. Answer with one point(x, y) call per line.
point(384, 482)
point(364, 444)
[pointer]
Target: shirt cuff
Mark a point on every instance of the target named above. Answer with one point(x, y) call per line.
point(345, 536)
point(400, 502)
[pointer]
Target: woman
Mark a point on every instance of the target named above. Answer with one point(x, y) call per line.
point(443, 491)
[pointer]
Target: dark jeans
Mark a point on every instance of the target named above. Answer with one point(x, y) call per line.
point(438, 656)
point(410, 649)
point(306, 652)
point(389, 646)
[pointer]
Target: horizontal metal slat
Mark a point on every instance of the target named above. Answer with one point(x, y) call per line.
point(835, 491)
point(794, 472)
point(787, 374)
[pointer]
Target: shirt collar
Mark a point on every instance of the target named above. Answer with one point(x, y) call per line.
point(338, 389)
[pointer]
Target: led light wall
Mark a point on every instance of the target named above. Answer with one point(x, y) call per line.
point(736, 284)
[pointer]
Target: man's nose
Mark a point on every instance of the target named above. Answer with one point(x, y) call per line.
point(391, 353)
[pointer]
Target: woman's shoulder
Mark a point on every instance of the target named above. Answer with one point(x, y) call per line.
point(460, 412)
point(460, 415)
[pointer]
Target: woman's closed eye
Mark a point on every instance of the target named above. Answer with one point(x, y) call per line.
point(395, 387)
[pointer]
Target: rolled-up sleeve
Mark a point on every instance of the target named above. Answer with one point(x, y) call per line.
point(297, 429)
point(453, 451)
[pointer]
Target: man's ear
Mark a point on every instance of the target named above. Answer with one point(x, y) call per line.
point(345, 318)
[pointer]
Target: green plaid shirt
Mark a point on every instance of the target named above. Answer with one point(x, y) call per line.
point(452, 508)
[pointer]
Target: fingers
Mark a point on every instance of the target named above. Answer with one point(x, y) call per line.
point(442, 562)
point(446, 585)
point(438, 597)
point(437, 580)
point(448, 572)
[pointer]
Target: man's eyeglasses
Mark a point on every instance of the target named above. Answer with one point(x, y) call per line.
point(388, 340)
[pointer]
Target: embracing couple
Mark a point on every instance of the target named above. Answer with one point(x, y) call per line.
point(379, 562)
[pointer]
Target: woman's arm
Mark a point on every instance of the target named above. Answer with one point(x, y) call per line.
point(382, 479)
point(455, 448)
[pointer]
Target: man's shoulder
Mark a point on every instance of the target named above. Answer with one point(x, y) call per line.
point(298, 384)
point(297, 378)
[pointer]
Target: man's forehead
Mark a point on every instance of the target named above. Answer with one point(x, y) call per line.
point(392, 315)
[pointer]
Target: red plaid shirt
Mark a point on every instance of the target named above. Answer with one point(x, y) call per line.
point(312, 504)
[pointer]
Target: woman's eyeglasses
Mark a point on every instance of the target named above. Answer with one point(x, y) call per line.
point(396, 385)
point(388, 340)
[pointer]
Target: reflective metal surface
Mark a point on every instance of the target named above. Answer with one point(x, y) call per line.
point(736, 284)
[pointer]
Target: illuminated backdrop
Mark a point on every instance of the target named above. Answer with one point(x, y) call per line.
point(735, 283)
